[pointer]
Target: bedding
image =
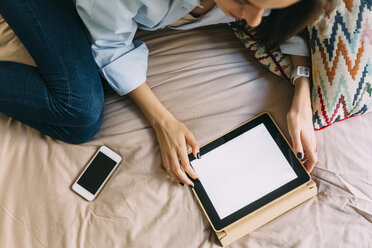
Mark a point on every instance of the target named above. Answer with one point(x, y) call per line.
point(206, 78)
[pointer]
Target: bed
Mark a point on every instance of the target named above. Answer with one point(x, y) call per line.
point(206, 78)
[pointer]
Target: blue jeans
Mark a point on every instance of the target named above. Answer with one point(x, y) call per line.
point(63, 96)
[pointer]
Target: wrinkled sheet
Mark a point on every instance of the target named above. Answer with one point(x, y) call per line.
point(207, 80)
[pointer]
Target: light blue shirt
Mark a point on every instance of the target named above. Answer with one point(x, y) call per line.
point(112, 25)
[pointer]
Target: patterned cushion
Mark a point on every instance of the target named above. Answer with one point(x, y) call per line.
point(275, 61)
point(341, 47)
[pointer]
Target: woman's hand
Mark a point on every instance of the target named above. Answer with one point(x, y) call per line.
point(300, 124)
point(173, 137)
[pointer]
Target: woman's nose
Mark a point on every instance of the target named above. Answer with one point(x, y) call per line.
point(252, 15)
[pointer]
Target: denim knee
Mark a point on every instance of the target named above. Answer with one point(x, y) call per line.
point(87, 117)
point(74, 115)
point(78, 107)
point(81, 118)
point(82, 137)
point(78, 135)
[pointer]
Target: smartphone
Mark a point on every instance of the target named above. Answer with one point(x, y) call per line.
point(96, 173)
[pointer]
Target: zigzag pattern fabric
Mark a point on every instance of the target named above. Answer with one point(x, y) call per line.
point(278, 63)
point(341, 48)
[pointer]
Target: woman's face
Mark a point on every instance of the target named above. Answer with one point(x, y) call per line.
point(251, 10)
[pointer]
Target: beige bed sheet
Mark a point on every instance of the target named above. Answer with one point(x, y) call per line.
point(207, 80)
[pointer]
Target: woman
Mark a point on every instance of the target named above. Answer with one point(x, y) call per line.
point(63, 97)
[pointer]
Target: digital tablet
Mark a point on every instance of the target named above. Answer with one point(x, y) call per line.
point(244, 170)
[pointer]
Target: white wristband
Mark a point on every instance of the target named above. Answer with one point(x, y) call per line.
point(299, 71)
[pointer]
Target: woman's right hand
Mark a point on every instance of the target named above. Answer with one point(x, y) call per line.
point(173, 137)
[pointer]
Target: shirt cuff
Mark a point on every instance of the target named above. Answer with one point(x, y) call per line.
point(295, 46)
point(129, 71)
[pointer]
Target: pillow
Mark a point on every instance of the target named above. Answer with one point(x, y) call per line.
point(341, 51)
point(275, 61)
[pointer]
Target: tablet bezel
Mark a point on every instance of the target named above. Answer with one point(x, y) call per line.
point(302, 175)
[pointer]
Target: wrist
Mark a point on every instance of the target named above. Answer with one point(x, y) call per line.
point(151, 107)
point(302, 96)
point(302, 87)
point(161, 120)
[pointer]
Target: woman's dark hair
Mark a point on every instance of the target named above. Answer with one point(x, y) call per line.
point(282, 24)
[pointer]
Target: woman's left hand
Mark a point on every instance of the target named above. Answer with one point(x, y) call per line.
point(300, 125)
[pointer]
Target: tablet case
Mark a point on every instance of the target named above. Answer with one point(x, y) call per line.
point(264, 214)
point(267, 212)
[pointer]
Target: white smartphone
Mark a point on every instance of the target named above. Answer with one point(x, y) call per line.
point(96, 173)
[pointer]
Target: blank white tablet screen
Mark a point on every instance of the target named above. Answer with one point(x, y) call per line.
point(243, 170)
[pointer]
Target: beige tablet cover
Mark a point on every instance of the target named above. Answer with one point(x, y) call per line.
point(266, 214)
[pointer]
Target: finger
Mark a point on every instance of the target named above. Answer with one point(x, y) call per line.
point(167, 167)
point(182, 154)
point(305, 158)
point(296, 142)
point(176, 170)
point(181, 183)
point(311, 155)
point(190, 139)
point(310, 163)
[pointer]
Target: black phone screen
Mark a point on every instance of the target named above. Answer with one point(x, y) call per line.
point(96, 173)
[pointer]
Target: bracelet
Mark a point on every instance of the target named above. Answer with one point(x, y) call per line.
point(299, 71)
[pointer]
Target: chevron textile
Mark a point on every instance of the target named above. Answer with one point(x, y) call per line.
point(341, 51)
point(278, 63)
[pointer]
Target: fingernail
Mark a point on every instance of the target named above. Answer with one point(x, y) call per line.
point(198, 155)
point(182, 184)
point(191, 186)
point(299, 155)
